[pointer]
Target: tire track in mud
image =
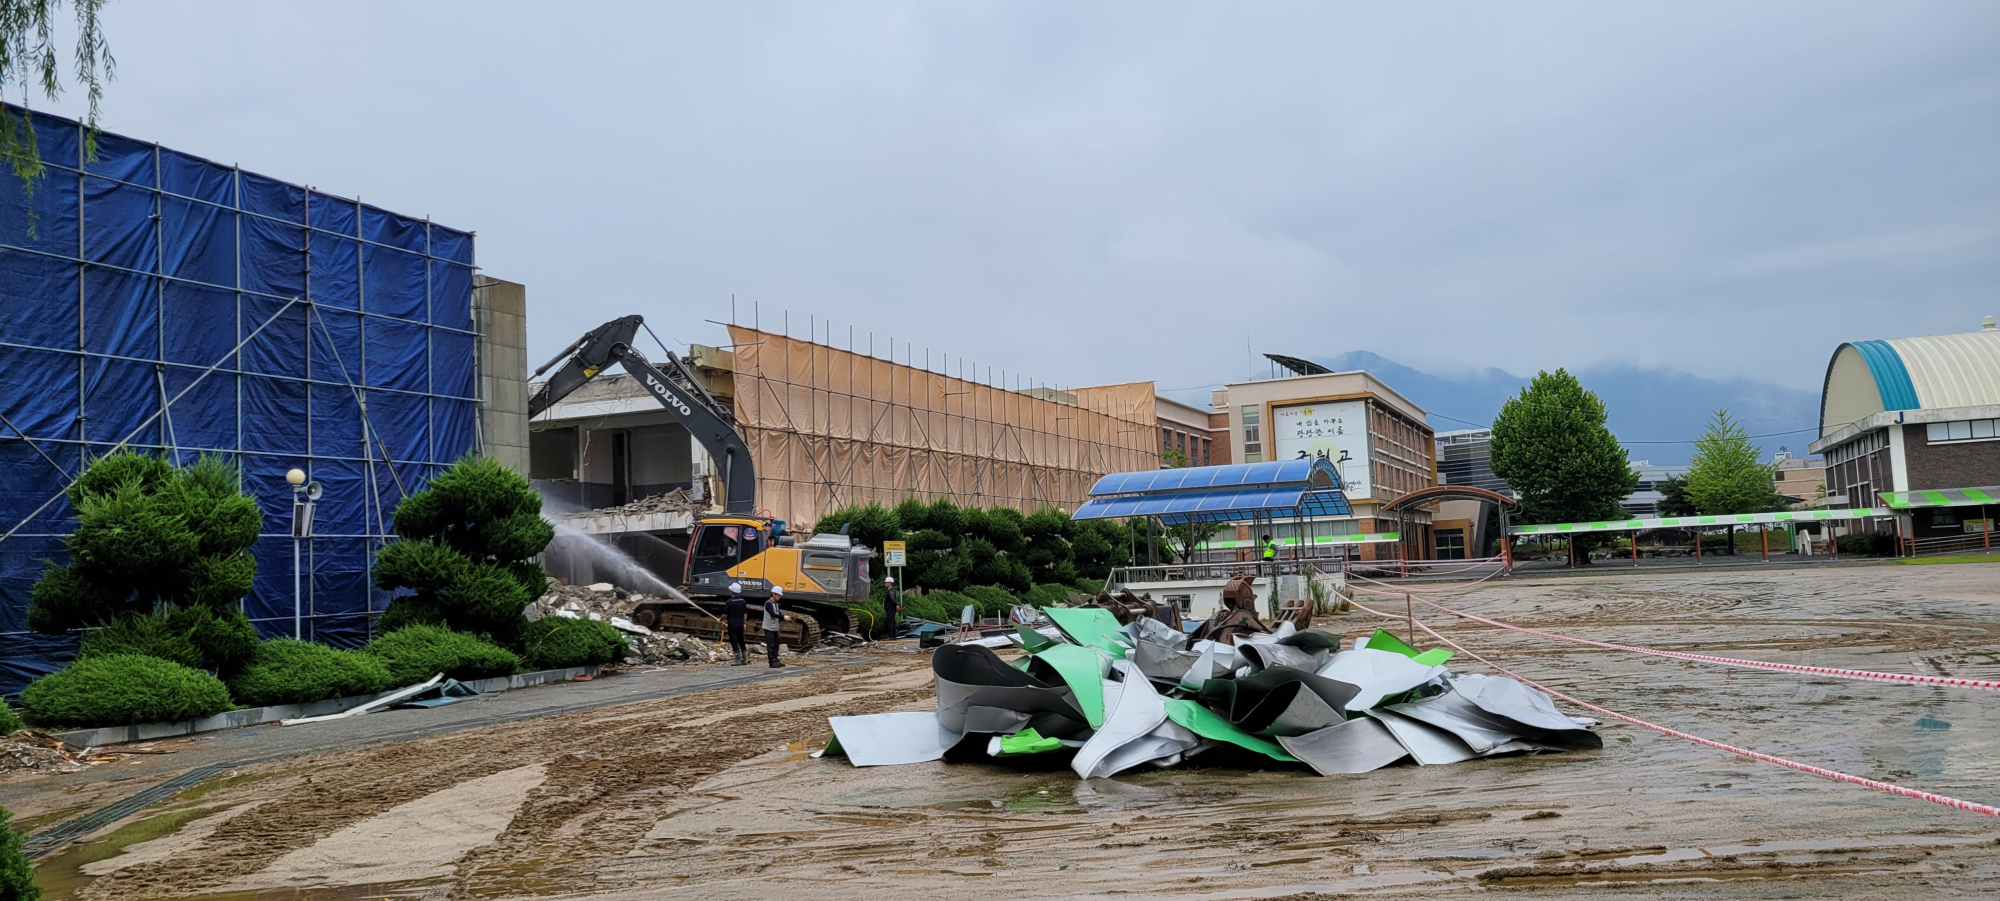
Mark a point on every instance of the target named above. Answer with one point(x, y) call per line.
point(602, 804)
point(598, 772)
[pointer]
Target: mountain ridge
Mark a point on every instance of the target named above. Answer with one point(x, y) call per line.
point(1656, 412)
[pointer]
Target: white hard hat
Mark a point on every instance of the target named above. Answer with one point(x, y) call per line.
point(777, 589)
point(735, 588)
point(890, 580)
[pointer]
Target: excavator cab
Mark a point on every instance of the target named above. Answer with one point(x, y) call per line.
point(722, 544)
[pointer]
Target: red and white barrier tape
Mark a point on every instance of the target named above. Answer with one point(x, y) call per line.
point(1859, 674)
point(1892, 788)
point(1410, 589)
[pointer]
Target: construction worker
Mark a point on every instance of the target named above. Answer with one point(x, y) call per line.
point(892, 605)
point(733, 610)
point(773, 618)
point(1270, 557)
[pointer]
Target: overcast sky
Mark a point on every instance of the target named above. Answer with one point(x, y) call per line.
point(1106, 192)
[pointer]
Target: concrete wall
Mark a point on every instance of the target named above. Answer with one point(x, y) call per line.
point(501, 309)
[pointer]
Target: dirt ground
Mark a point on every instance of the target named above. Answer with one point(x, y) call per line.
point(712, 795)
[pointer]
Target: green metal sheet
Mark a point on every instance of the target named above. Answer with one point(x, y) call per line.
point(1091, 627)
point(1027, 741)
point(1208, 724)
point(1033, 640)
point(1083, 673)
point(1382, 640)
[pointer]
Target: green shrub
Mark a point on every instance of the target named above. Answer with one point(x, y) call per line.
point(992, 601)
point(925, 607)
point(1088, 586)
point(145, 635)
point(123, 689)
point(224, 636)
point(9, 723)
point(558, 643)
point(148, 533)
point(945, 606)
point(17, 875)
point(296, 672)
point(199, 637)
point(1048, 596)
point(464, 554)
point(1872, 544)
point(416, 653)
point(870, 619)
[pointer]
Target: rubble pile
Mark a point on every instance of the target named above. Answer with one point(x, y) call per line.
point(675, 501)
point(605, 602)
point(35, 752)
point(1111, 696)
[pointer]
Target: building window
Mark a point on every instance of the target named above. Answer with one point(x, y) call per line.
point(1962, 430)
point(1450, 544)
point(1253, 434)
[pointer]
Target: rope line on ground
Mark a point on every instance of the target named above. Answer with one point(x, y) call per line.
point(1890, 787)
point(1856, 674)
point(1405, 589)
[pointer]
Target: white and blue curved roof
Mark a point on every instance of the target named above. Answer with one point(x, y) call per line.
point(1928, 373)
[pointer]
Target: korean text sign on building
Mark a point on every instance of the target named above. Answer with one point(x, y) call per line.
point(1324, 430)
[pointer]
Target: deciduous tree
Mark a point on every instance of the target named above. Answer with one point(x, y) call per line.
point(1550, 443)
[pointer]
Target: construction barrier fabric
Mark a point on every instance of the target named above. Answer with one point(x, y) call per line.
point(156, 299)
point(829, 428)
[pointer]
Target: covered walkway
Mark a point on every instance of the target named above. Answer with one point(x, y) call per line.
point(1697, 524)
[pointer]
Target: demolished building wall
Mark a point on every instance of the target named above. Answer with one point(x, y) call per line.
point(830, 427)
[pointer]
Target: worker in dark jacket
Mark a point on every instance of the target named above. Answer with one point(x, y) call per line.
point(892, 605)
point(733, 611)
point(773, 618)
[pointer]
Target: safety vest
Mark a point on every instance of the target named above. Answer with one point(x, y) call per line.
point(1270, 550)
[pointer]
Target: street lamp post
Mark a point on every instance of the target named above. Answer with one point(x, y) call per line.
point(304, 493)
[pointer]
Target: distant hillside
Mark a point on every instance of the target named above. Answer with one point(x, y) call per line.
point(1644, 404)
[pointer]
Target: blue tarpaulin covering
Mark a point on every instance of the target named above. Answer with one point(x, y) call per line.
point(180, 306)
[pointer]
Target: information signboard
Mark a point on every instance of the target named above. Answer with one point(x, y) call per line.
point(1324, 430)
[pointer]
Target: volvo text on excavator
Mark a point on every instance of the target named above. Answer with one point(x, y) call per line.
point(823, 577)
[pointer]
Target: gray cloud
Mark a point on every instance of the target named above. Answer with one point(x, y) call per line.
point(1110, 192)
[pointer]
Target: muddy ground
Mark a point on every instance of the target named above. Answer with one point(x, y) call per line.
point(711, 795)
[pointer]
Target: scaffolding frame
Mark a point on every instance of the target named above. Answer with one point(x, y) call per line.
point(831, 427)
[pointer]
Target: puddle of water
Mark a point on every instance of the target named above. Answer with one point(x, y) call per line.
point(34, 824)
point(61, 874)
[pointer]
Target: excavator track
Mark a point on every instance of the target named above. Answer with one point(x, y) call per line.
point(798, 631)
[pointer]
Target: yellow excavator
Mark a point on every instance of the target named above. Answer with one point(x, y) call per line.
point(823, 577)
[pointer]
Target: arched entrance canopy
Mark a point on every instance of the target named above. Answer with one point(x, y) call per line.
point(1449, 493)
point(1400, 507)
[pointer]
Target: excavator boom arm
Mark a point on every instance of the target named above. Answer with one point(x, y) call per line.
point(705, 420)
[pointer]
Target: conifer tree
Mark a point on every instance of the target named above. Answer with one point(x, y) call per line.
point(466, 554)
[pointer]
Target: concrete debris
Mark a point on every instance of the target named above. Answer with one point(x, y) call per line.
point(675, 501)
point(1115, 691)
point(605, 602)
point(671, 649)
point(31, 751)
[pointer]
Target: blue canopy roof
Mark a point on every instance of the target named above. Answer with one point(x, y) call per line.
point(1284, 488)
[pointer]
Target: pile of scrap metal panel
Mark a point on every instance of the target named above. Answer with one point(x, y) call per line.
point(1113, 697)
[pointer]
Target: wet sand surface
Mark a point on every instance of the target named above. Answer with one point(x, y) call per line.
point(712, 795)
